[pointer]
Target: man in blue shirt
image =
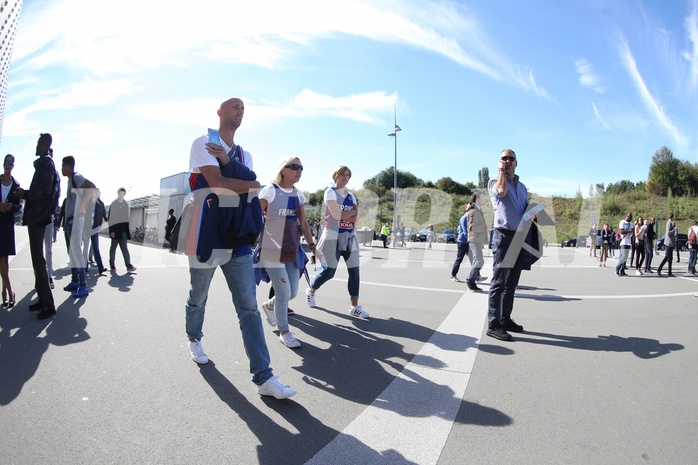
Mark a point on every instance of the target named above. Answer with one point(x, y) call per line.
point(510, 200)
point(462, 243)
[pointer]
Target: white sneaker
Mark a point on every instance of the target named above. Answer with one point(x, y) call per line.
point(197, 352)
point(269, 312)
point(358, 312)
point(310, 298)
point(273, 387)
point(289, 340)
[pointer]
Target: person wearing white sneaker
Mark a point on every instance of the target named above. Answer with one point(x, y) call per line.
point(197, 352)
point(212, 155)
point(273, 387)
point(280, 252)
point(339, 240)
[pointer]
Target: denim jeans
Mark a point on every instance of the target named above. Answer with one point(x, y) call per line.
point(460, 255)
point(94, 251)
point(476, 260)
point(352, 261)
point(692, 259)
point(622, 258)
point(649, 252)
point(73, 231)
point(122, 242)
point(239, 275)
point(504, 280)
point(284, 279)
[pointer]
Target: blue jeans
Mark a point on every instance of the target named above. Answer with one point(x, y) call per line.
point(649, 252)
point(284, 279)
point(94, 249)
point(239, 275)
point(504, 280)
point(622, 258)
point(350, 259)
point(692, 259)
point(73, 232)
point(460, 255)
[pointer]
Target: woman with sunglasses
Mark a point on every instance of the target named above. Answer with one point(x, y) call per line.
point(9, 205)
point(339, 240)
point(285, 219)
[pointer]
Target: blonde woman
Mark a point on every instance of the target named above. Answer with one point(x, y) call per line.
point(339, 240)
point(282, 204)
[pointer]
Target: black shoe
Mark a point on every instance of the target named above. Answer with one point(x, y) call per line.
point(475, 288)
point(36, 306)
point(669, 275)
point(512, 326)
point(499, 333)
point(46, 313)
point(102, 270)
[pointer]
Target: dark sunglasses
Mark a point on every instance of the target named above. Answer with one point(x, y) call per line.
point(508, 158)
point(295, 166)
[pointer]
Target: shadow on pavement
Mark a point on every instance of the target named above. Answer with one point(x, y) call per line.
point(279, 445)
point(21, 347)
point(641, 347)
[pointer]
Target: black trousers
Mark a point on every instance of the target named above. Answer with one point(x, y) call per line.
point(36, 247)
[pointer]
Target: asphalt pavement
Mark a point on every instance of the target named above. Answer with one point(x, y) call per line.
point(605, 372)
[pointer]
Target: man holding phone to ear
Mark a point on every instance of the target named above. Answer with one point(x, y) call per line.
point(510, 200)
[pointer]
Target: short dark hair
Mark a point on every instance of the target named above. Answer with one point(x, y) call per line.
point(121, 189)
point(474, 197)
point(70, 161)
point(171, 211)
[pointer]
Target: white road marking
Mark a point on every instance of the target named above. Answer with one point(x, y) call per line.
point(412, 418)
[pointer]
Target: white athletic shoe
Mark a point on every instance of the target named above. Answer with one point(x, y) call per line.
point(310, 298)
point(289, 340)
point(197, 352)
point(273, 387)
point(358, 312)
point(269, 313)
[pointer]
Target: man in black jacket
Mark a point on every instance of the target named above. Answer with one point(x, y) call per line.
point(37, 215)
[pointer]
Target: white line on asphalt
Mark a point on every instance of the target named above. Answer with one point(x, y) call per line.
point(412, 418)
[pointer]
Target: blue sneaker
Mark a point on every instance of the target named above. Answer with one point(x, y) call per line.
point(71, 287)
point(81, 292)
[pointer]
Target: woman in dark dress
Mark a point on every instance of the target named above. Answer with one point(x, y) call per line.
point(9, 205)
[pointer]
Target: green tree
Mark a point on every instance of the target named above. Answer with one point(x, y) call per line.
point(385, 180)
point(450, 186)
point(664, 172)
point(483, 177)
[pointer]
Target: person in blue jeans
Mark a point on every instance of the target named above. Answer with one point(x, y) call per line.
point(510, 200)
point(206, 161)
point(461, 244)
point(339, 240)
point(78, 206)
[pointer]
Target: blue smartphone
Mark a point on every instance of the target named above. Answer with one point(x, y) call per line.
point(214, 137)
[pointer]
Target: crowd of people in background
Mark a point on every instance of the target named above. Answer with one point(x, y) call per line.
point(259, 239)
point(81, 215)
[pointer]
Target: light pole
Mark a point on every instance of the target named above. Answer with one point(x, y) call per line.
point(394, 135)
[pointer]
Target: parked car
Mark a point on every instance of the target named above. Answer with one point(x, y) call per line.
point(579, 241)
point(681, 242)
point(410, 235)
point(421, 236)
point(447, 235)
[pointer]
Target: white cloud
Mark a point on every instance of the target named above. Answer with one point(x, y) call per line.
point(691, 24)
point(647, 97)
point(598, 116)
point(129, 36)
point(587, 76)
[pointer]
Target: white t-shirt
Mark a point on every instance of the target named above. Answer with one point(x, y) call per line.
point(268, 193)
point(199, 156)
point(625, 239)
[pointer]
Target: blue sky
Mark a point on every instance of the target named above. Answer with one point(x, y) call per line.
point(584, 91)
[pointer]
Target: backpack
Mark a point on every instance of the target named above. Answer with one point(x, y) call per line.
point(55, 192)
point(692, 236)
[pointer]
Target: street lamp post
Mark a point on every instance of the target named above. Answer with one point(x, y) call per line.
point(394, 135)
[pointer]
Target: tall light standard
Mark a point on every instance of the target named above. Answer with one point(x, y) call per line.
point(394, 134)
